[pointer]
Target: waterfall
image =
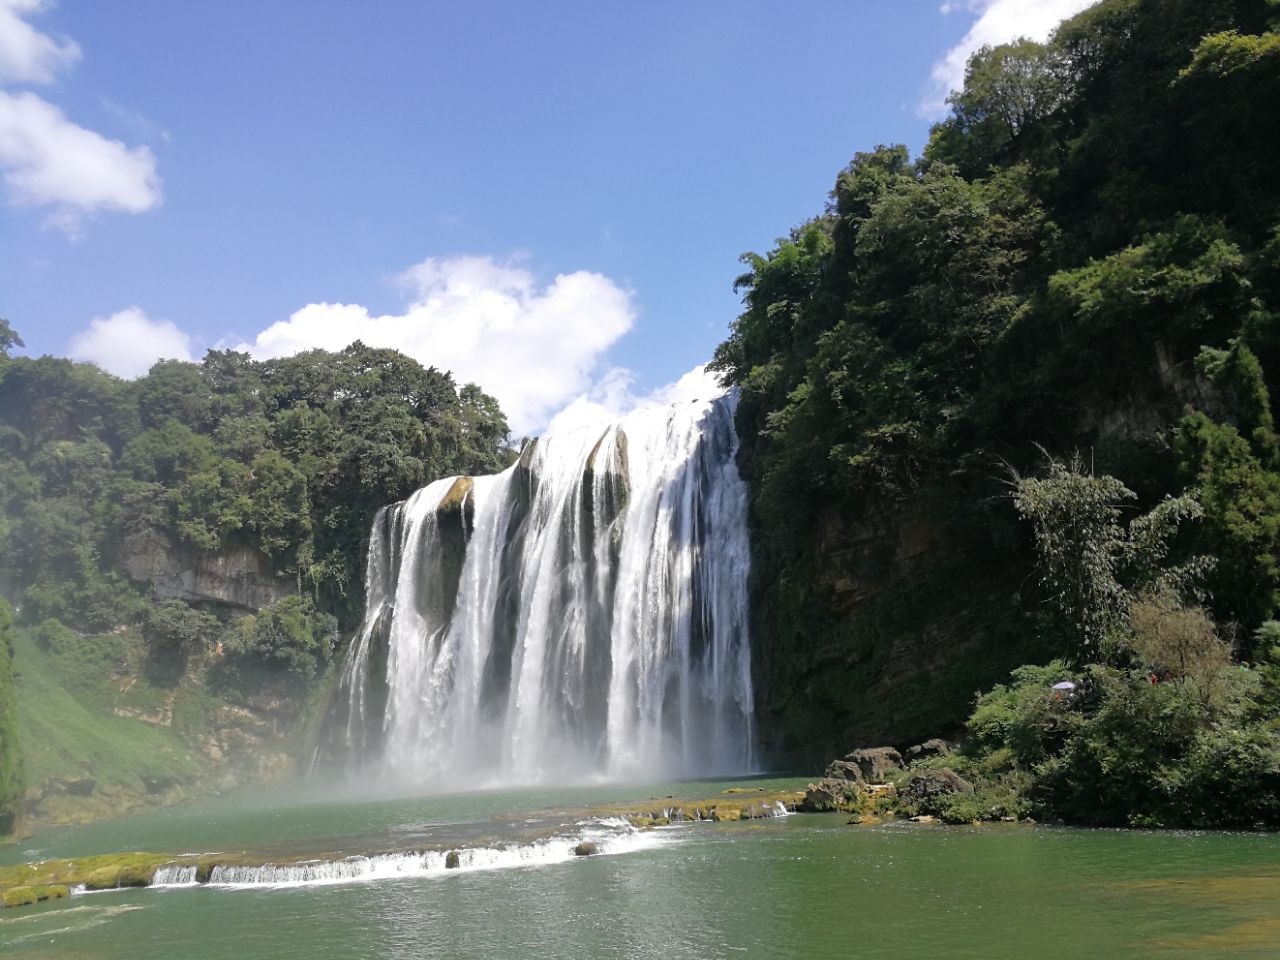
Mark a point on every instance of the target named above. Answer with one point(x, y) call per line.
point(582, 615)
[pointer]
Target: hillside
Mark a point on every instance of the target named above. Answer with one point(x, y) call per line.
point(183, 552)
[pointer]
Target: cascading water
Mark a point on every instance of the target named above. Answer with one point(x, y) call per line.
point(582, 615)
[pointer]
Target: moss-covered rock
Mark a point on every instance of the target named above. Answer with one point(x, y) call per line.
point(106, 872)
point(830, 794)
point(25, 896)
point(736, 803)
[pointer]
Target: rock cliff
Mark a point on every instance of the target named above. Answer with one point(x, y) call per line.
point(240, 578)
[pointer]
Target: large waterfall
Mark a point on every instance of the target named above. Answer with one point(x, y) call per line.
point(582, 615)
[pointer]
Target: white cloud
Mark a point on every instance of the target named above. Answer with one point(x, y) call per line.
point(1000, 21)
point(613, 396)
point(127, 343)
point(538, 348)
point(48, 161)
point(534, 347)
point(26, 54)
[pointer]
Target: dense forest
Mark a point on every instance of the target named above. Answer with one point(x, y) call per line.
point(1014, 399)
point(286, 459)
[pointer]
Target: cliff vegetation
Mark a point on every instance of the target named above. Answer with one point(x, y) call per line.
point(1070, 299)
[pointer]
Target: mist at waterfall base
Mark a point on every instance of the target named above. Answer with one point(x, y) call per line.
point(581, 617)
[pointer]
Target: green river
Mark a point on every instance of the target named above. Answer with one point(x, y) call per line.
point(797, 886)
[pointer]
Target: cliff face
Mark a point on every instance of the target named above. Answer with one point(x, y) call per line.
point(239, 579)
point(897, 614)
point(884, 631)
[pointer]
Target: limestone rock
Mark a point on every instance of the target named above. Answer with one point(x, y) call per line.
point(876, 763)
point(878, 791)
point(930, 748)
point(831, 794)
point(928, 785)
point(239, 578)
point(843, 770)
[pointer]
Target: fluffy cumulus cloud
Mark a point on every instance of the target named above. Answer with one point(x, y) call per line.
point(539, 347)
point(26, 54)
point(46, 160)
point(127, 343)
point(999, 21)
point(614, 395)
point(535, 346)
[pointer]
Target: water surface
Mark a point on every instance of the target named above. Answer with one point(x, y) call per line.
point(791, 887)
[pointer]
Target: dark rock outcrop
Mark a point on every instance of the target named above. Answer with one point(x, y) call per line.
point(930, 748)
point(929, 785)
point(843, 770)
point(876, 763)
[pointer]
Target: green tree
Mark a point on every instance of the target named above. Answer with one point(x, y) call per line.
point(1090, 563)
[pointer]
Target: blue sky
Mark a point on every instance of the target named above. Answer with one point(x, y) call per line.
point(549, 198)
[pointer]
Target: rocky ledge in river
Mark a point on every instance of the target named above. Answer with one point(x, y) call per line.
point(916, 783)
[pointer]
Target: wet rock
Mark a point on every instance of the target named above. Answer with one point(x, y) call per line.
point(452, 860)
point(930, 748)
point(876, 763)
point(929, 785)
point(586, 849)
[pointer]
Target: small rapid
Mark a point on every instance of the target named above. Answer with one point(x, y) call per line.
point(598, 837)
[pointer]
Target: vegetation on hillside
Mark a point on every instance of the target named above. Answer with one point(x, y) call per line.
point(287, 458)
point(1085, 258)
point(291, 457)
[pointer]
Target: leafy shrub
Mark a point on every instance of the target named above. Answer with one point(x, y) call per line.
point(291, 636)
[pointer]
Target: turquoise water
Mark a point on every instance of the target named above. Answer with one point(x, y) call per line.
point(800, 886)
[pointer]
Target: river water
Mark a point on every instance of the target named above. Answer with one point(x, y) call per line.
point(796, 886)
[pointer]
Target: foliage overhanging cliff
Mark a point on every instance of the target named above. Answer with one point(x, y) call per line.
point(1085, 257)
